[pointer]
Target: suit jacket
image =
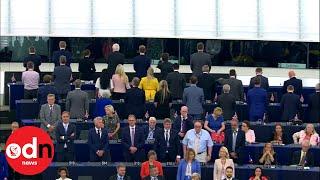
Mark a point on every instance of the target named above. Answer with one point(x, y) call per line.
point(208, 84)
point(264, 82)
point(146, 131)
point(126, 139)
point(141, 63)
point(176, 83)
point(314, 106)
point(43, 92)
point(165, 67)
point(228, 104)
point(188, 124)
point(297, 155)
point(114, 59)
point(290, 106)
point(217, 170)
point(236, 87)
point(160, 144)
point(296, 83)
point(240, 142)
point(56, 57)
point(77, 103)
point(115, 177)
point(135, 102)
point(96, 143)
point(36, 59)
point(47, 118)
point(193, 98)
point(3, 167)
point(145, 168)
point(62, 75)
point(68, 139)
point(158, 178)
point(257, 101)
point(195, 168)
point(87, 69)
point(197, 60)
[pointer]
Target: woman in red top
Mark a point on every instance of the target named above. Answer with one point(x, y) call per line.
point(258, 175)
point(152, 162)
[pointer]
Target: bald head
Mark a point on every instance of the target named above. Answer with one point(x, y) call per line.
point(291, 74)
point(115, 47)
point(184, 111)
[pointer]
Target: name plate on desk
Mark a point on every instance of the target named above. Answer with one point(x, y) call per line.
point(292, 65)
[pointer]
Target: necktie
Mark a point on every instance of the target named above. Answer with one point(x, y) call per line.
point(150, 135)
point(234, 139)
point(65, 129)
point(303, 159)
point(99, 133)
point(51, 110)
point(183, 128)
point(121, 178)
point(167, 138)
point(132, 136)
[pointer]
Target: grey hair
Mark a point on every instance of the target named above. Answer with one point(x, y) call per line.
point(226, 88)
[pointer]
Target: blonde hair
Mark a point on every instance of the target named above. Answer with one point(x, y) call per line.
point(121, 73)
point(217, 110)
point(223, 148)
point(109, 107)
point(264, 148)
point(150, 73)
point(189, 150)
point(313, 131)
point(164, 90)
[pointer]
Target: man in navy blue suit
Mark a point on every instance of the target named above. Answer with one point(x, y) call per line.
point(257, 101)
point(132, 141)
point(46, 89)
point(62, 52)
point(290, 105)
point(150, 129)
point(264, 80)
point(65, 135)
point(98, 142)
point(36, 59)
point(296, 83)
point(183, 123)
point(167, 143)
point(141, 63)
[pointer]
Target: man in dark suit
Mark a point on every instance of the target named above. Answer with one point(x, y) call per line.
point(303, 157)
point(296, 83)
point(46, 89)
point(141, 63)
point(154, 174)
point(121, 173)
point(62, 75)
point(227, 102)
point(165, 66)
point(257, 101)
point(176, 82)
point(132, 141)
point(150, 130)
point(236, 87)
point(199, 59)
point(264, 80)
point(98, 142)
point(77, 102)
point(114, 59)
point(183, 123)
point(314, 106)
point(290, 105)
point(62, 52)
point(135, 100)
point(193, 98)
point(207, 83)
point(36, 59)
point(234, 140)
point(229, 173)
point(65, 135)
point(167, 143)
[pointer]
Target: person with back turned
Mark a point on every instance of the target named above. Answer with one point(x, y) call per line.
point(199, 59)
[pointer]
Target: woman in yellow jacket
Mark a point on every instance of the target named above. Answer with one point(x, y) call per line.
point(149, 84)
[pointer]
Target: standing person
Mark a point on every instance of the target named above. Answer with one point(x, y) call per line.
point(141, 63)
point(199, 59)
point(98, 142)
point(200, 141)
point(65, 135)
point(149, 84)
point(87, 67)
point(264, 80)
point(4, 175)
point(208, 84)
point(103, 83)
point(257, 101)
point(295, 82)
point(151, 163)
point(46, 89)
point(236, 87)
point(112, 122)
point(62, 52)
point(121, 173)
point(188, 166)
point(314, 105)
point(165, 66)
point(227, 102)
point(36, 59)
point(62, 76)
point(135, 100)
point(119, 83)
point(114, 59)
point(290, 105)
point(150, 129)
point(30, 79)
point(193, 98)
point(184, 122)
point(77, 102)
point(221, 164)
point(176, 82)
point(163, 100)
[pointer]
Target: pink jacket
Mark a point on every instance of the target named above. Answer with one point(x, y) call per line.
point(250, 136)
point(298, 137)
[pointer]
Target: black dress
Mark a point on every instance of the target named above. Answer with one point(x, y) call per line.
point(162, 109)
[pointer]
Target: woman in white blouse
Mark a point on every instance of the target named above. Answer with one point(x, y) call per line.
point(250, 136)
point(220, 165)
point(63, 173)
